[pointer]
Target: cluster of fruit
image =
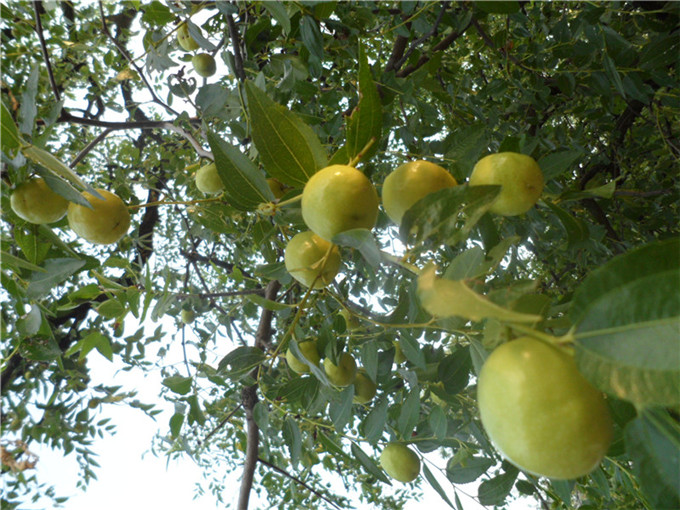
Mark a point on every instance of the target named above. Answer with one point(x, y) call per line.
point(105, 222)
point(204, 63)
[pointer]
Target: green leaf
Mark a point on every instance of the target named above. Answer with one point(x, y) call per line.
point(495, 490)
point(409, 413)
point(178, 384)
point(40, 349)
point(466, 264)
point(290, 151)
point(111, 309)
point(454, 370)
point(279, 13)
point(438, 422)
point(373, 425)
point(9, 133)
point(241, 361)
point(576, 230)
point(48, 161)
point(244, 184)
point(435, 484)
point(653, 442)
point(9, 260)
point(468, 470)
point(291, 435)
point(267, 304)
point(369, 464)
point(412, 350)
point(30, 241)
point(176, 422)
point(627, 316)
point(94, 340)
point(56, 271)
point(613, 74)
point(497, 6)
point(311, 37)
point(553, 165)
point(362, 240)
point(365, 122)
point(448, 298)
point(448, 215)
point(63, 188)
point(29, 324)
point(340, 408)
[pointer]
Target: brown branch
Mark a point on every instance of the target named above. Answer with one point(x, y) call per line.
point(235, 42)
point(296, 480)
point(221, 424)
point(131, 61)
point(397, 53)
point(235, 293)
point(441, 45)
point(43, 47)
point(421, 39)
point(249, 399)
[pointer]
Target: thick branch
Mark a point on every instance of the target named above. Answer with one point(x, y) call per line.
point(249, 399)
point(236, 44)
point(43, 47)
point(397, 53)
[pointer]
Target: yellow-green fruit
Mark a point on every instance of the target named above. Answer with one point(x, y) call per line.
point(276, 187)
point(204, 64)
point(105, 223)
point(184, 39)
point(342, 374)
point(409, 183)
point(35, 202)
point(351, 322)
point(519, 176)
point(540, 412)
point(400, 462)
point(208, 180)
point(339, 198)
point(364, 388)
point(304, 259)
point(309, 351)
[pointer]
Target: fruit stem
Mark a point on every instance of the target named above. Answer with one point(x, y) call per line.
point(355, 160)
point(174, 202)
point(290, 200)
point(562, 341)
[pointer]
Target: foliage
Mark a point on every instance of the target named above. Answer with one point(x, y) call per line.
point(99, 95)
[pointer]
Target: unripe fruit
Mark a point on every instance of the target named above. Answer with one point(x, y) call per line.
point(400, 462)
point(364, 388)
point(540, 412)
point(409, 183)
point(304, 259)
point(36, 203)
point(184, 39)
point(107, 221)
point(187, 316)
point(519, 176)
point(204, 65)
point(310, 352)
point(342, 374)
point(339, 198)
point(208, 180)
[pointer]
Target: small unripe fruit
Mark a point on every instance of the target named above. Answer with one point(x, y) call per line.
point(304, 259)
point(364, 388)
point(342, 374)
point(106, 223)
point(204, 64)
point(309, 351)
point(400, 462)
point(208, 180)
point(184, 39)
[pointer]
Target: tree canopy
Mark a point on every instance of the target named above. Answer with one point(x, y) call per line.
point(100, 95)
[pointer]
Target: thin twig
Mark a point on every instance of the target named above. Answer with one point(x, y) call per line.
point(43, 47)
point(421, 39)
point(296, 480)
point(89, 147)
point(221, 424)
point(124, 52)
point(235, 42)
point(244, 292)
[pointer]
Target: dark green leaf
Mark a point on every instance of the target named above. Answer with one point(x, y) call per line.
point(409, 413)
point(556, 163)
point(9, 260)
point(497, 6)
point(240, 361)
point(278, 12)
point(365, 122)
point(627, 314)
point(613, 74)
point(435, 484)
point(454, 370)
point(290, 151)
point(311, 36)
point(111, 308)
point(56, 271)
point(244, 184)
point(495, 490)
point(340, 408)
point(373, 425)
point(29, 324)
point(576, 229)
point(369, 464)
point(9, 133)
point(176, 422)
point(411, 350)
point(438, 422)
point(291, 435)
point(40, 349)
point(653, 442)
point(469, 470)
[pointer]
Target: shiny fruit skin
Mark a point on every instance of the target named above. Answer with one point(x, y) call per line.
point(208, 180)
point(342, 374)
point(36, 203)
point(204, 64)
point(106, 223)
point(540, 412)
point(400, 462)
point(303, 258)
point(519, 176)
point(409, 183)
point(364, 388)
point(310, 352)
point(339, 198)
point(185, 40)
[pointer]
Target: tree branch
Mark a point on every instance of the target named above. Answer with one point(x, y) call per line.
point(43, 47)
point(236, 43)
point(296, 480)
point(249, 399)
point(421, 39)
